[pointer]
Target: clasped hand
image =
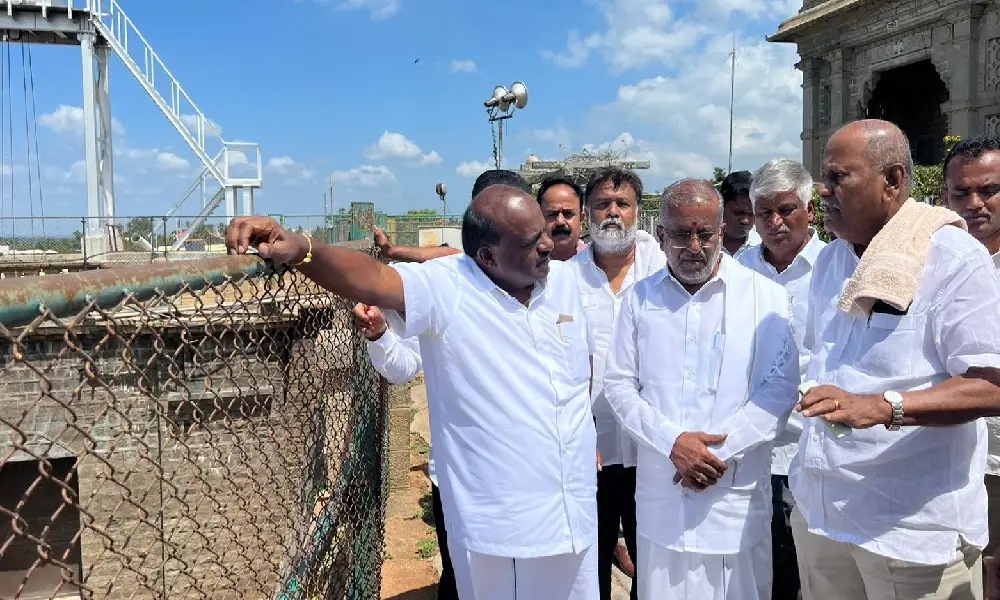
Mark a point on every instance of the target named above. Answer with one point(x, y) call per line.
point(697, 467)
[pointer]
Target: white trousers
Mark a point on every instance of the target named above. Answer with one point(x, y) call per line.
point(560, 577)
point(668, 575)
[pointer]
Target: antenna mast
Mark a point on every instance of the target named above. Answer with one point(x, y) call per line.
point(732, 102)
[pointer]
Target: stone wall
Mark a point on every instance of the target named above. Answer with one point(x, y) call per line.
point(843, 55)
point(198, 448)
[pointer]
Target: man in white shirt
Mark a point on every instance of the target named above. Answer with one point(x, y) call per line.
point(702, 346)
point(506, 356)
point(782, 198)
point(738, 214)
point(618, 256)
point(398, 360)
point(972, 189)
point(894, 507)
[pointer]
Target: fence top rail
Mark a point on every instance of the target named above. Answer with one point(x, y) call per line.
point(23, 299)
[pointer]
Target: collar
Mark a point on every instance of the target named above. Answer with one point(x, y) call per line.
point(483, 282)
point(809, 254)
point(996, 260)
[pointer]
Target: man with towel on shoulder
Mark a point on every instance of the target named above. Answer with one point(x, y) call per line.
point(904, 328)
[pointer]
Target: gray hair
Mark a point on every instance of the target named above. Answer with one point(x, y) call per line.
point(779, 176)
point(689, 192)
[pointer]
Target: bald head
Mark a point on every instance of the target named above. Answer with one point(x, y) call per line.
point(884, 144)
point(689, 192)
point(495, 211)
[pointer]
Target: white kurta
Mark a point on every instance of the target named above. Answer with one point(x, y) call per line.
point(795, 279)
point(913, 494)
point(720, 361)
point(514, 437)
point(398, 360)
point(602, 307)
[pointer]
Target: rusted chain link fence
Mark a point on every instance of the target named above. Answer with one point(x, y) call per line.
point(204, 429)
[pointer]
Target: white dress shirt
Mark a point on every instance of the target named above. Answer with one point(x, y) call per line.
point(508, 389)
point(398, 360)
point(602, 307)
point(753, 240)
point(908, 494)
point(795, 279)
point(993, 423)
point(720, 361)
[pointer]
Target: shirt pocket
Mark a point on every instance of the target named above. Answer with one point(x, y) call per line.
point(572, 343)
point(888, 344)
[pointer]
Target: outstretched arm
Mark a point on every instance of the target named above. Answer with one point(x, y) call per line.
point(408, 254)
point(345, 272)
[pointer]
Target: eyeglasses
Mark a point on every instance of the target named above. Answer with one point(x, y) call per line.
point(682, 241)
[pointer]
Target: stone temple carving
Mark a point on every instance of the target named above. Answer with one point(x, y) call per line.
point(930, 66)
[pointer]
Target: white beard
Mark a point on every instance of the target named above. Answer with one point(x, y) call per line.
point(612, 240)
point(703, 274)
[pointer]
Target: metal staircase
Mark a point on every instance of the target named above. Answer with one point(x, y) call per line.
point(121, 34)
point(102, 28)
point(236, 166)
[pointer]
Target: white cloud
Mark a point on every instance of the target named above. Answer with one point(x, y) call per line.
point(691, 108)
point(171, 162)
point(379, 9)
point(68, 120)
point(638, 33)
point(463, 66)
point(191, 122)
point(289, 169)
point(366, 176)
point(472, 168)
point(396, 145)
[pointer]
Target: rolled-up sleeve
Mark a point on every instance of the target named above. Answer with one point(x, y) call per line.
point(395, 359)
point(430, 294)
point(638, 416)
point(771, 401)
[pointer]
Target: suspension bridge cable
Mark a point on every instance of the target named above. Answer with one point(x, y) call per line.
point(10, 129)
point(3, 145)
point(27, 143)
point(38, 157)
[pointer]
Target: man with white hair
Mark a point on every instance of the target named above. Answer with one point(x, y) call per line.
point(781, 193)
point(619, 255)
point(702, 355)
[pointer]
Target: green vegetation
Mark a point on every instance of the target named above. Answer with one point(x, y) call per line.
point(427, 548)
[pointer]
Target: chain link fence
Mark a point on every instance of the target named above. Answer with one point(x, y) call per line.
point(204, 429)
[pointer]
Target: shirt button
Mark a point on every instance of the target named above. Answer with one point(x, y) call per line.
point(687, 415)
point(687, 375)
point(691, 338)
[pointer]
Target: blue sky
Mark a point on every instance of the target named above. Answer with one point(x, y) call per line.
point(330, 87)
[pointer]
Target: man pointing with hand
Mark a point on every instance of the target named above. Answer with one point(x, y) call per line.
point(506, 351)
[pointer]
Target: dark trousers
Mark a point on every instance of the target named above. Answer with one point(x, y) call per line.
point(446, 587)
point(615, 506)
point(784, 564)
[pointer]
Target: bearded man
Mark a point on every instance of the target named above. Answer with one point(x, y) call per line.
point(618, 256)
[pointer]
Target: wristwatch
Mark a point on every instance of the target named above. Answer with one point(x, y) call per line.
point(896, 400)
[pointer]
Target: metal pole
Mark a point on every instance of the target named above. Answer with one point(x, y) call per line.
point(732, 104)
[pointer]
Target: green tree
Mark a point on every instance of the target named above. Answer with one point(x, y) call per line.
point(718, 175)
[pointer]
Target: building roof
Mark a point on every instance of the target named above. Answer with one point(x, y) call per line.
point(793, 29)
